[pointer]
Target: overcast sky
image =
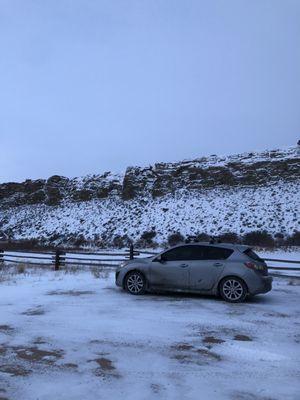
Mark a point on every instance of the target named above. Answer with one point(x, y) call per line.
point(90, 86)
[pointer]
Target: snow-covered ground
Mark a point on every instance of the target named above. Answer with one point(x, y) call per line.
point(288, 253)
point(77, 336)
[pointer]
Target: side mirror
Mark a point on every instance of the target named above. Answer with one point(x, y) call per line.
point(159, 259)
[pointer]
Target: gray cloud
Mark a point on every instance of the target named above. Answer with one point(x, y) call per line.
point(89, 86)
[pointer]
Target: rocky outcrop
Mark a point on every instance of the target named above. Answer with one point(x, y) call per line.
point(242, 170)
point(249, 169)
point(58, 189)
point(210, 195)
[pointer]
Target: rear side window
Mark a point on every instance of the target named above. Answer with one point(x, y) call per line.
point(250, 253)
point(216, 253)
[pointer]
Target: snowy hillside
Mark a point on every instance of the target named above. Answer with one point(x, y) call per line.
point(242, 193)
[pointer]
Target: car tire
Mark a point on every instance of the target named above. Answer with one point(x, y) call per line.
point(135, 283)
point(233, 289)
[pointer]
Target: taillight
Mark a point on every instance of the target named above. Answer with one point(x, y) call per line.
point(255, 267)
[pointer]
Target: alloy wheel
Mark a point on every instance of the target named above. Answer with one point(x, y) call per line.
point(233, 290)
point(135, 283)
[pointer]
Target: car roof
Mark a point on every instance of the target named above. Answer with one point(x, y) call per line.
point(231, 246)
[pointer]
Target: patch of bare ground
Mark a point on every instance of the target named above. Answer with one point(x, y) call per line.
point(14, 370)
point(186, 353)
point(276, 314)
point(117, 344)
point(40, 340)
point(105, 368)
point(21, 360)
point(105, 364)
point(156, 388)
point(34, 311)
point(69, 292)
point(182, 346)
point(243, 338)
point(297, 338)
point(212, 340)
point(249, 396)
point(6, 329)
point(207, 354)
point(34, 354)
point(70, 366)
point(210, 337)
point(183, 358)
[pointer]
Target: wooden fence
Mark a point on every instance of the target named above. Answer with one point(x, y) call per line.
point(60, 258)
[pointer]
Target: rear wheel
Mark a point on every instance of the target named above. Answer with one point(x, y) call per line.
point(135, 283)
point(233, 290)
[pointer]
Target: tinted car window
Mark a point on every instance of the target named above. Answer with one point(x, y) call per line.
point(216, 253)
point(178, 254)
point(250, 253)
point(196, 253)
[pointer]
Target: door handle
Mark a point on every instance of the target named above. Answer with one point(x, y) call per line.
point(184, 265)
point(218, 264)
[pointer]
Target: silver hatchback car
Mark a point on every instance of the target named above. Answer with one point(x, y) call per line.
point(231, 271)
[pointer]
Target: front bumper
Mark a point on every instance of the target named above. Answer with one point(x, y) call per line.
point(118, 280)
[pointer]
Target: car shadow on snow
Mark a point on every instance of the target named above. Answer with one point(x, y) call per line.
point(178, 296)
point(173, 296)
point(260, 299)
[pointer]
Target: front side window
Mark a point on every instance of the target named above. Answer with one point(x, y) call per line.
point(178, 254)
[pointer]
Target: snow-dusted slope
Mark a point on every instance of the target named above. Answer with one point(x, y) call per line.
point(239, 193)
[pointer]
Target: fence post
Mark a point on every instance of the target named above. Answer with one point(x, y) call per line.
point(1, 256)
point(59, 259)
point(131, 252)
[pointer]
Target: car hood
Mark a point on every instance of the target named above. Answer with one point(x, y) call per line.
point(144, 260)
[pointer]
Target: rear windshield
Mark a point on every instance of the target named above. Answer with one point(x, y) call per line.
point(250, 253)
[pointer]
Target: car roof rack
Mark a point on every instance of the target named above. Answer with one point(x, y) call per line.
point(192, 239)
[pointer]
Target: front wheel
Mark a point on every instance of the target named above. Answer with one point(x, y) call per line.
point(233, 290)
point(135, 283)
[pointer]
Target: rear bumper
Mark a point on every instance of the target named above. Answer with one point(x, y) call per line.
point(265, 285)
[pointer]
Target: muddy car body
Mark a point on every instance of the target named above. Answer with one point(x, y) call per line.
point(232, 271)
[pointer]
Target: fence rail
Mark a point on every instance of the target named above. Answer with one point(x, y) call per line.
point(284, 261)
point(60, 258)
